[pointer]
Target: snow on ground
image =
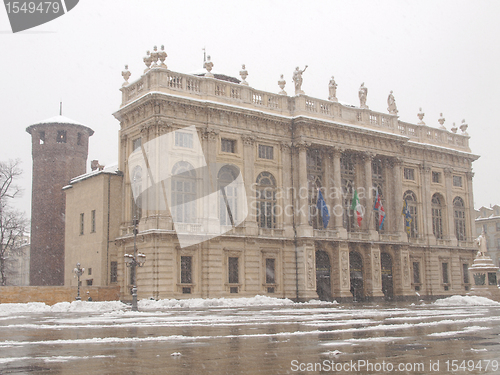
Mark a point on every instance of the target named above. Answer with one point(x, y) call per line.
point(199, 303)
point(466, 301)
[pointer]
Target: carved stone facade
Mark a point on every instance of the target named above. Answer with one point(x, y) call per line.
point(301, 144)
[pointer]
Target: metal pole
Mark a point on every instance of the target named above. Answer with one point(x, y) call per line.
point(78, 298)
point(134, 263)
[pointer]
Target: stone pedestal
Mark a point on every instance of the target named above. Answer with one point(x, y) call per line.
point(483, 273)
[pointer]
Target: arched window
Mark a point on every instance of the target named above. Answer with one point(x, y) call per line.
point(136, 187)
point(411, 200)
point(228, 199)
point(437, 215)
point(183, 193)
point(459, 215)
point(266, 200)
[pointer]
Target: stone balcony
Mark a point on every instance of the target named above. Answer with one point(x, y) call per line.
point(211, 90)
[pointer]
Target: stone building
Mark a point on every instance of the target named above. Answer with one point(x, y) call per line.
point(59, 150)
point(285, 148)
point(488, 220)
point(93, 214)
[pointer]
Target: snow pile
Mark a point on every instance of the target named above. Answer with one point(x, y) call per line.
point(214, 302)
point(466, 301)
point(75, 306)
point(84, 306)
point(16, 308)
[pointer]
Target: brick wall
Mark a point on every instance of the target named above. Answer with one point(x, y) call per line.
point(54, 294)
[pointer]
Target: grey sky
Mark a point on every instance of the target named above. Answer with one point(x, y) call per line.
point(439, 55)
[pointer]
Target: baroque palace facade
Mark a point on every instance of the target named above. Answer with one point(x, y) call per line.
point(286, 148)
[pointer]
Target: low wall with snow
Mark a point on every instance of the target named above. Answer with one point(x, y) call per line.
point(54, 294)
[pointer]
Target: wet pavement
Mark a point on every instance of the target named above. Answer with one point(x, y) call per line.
point(294, 339)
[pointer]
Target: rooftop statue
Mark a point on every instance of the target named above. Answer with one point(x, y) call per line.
point(332, 90)
point(363, 92)
point(297, 79)
point(391, 102)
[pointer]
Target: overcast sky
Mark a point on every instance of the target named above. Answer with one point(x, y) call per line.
point(442, 56)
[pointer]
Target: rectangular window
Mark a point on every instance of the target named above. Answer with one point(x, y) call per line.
point(186, 270)
point(82, 221)
point(228, 145)
point(79, 139)
point(465, 271)
point(61, 136)
point(90, 282)
point(136, 143)
point(266, 152)
point(436, 177)
point(113, 277)
point(92, 219)
point(498, 226)
point(42, 138)
point(457, 181)
point(233, 270)
point(89, 270)
point(183, 139)
point(409, 174)
point(444, 266)
point(270, 271)
point(416, 272)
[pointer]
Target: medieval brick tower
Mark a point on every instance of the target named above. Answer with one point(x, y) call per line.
point(59, 149)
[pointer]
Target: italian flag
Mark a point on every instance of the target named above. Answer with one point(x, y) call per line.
point(356, 207)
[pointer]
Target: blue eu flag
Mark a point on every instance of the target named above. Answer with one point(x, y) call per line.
point(323, 209)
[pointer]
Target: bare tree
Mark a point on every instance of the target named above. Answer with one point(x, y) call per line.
point(12, 222)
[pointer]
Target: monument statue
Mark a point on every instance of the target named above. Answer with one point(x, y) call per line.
point(297, 79)
point(363, 92)
point(391, 102)
point(481, 245)
point(332, 89)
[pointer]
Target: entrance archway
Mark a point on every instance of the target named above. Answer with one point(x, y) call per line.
point(356, 271)
point(323, 283)
point(387, 283)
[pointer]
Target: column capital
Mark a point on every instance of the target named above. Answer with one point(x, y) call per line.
point(337, 151)
point(425, 168)
point(210, 134)
point(248, 140)
point(285, 146)
point(302, 145)
point(469, 175)
point(448, 172)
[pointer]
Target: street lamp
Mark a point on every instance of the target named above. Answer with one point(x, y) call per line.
point(78, 272)
point(133, 261)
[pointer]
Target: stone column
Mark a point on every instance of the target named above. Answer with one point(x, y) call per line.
point(302, 191)
point(448, 180)
point(306, 266)
point(327, 185)
point(340, 275)
point(368, 185)
point(337, 209)
point(401, 272)
point(372, 274)
point(427, 233)
point(251, 227)
point(398, 200)
point(210, 206)
point(287, 192)
point(471, 215)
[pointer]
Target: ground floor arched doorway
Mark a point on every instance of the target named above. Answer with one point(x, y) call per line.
point(356, 272)
point(387, 280)
point(323, 280)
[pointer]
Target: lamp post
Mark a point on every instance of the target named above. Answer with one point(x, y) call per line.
point(78, 272)
point(133, 261)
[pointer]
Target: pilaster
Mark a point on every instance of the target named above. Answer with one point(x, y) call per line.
point(306, 267)
point(340, 276)
point(304, 229)
point(251, 227)
point(425, 171)
point(448, 180)
point(373, 275)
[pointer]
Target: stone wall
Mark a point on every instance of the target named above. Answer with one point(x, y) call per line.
point(54, 294)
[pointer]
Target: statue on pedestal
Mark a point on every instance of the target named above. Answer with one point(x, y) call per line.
point(481, 245)
point(297, 79)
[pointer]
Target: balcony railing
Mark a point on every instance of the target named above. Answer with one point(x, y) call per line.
point(211, 89)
